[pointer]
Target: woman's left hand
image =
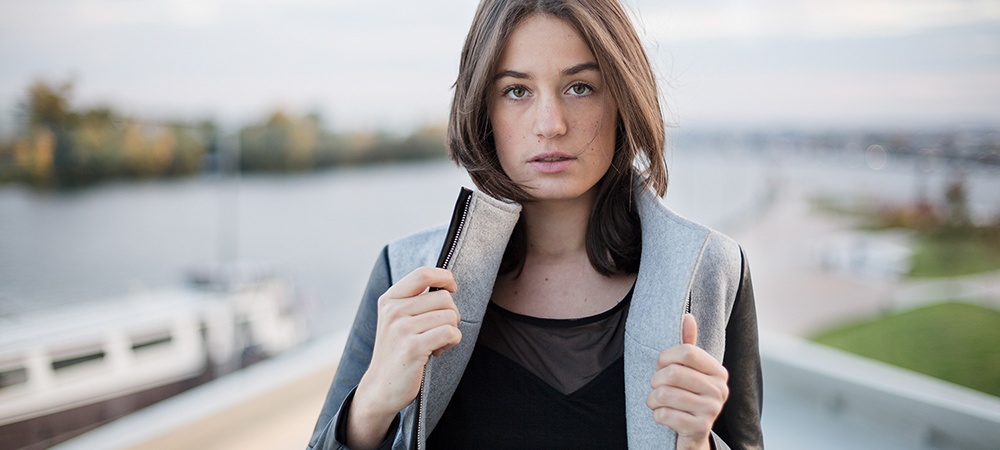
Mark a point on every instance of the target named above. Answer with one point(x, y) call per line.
point(689, 389)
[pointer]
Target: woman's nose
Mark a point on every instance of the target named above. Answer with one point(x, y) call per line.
point(550, 119)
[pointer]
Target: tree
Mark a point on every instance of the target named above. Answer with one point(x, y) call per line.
point(48, 105)
point(47, 108)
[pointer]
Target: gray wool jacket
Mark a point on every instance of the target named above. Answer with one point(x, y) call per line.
point(681, 262)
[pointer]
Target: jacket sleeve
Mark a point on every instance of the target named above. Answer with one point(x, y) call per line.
point(738, 425)
point(331, 426)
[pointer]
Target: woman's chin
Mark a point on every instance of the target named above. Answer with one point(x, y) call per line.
point(559, 192)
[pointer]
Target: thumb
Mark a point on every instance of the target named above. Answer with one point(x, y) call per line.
point(689, 330)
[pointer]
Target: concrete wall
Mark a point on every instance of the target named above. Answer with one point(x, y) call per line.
point(824, 385)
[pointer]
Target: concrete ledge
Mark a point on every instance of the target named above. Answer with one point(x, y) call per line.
point(931, 413)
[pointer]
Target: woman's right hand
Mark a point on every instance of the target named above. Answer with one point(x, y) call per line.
point(414, 322)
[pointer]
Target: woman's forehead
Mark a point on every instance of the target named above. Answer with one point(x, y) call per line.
point(543, 43)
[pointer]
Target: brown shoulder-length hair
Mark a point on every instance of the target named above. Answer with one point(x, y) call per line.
point(613, 233)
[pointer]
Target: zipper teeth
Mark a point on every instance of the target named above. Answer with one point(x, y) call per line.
point(447, 260)
point(458, 232)
point(420, 412)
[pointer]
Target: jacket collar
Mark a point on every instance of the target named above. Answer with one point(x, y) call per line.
point(671, 248)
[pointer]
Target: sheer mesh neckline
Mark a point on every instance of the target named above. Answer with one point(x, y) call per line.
point(562, 323)
point(566, 354)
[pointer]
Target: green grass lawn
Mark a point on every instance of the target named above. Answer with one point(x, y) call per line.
point(952, 341)
point(951, 254)
point(941, 249)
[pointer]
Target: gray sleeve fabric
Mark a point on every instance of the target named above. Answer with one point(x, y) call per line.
point(355, 360)
point(738, 425)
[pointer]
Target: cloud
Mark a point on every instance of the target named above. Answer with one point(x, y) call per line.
point(673, 21)
point(368, 62)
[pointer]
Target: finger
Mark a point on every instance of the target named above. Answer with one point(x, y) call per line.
point(682, 422)
point(424, 322)
point(689, 330)
point(427, 302)
point(691, 356)
point(679, 399)
point(439, 339)
point(685, 378)
point(417, 281)
point(447, 347)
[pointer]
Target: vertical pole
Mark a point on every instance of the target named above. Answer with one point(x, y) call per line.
point(229, 195)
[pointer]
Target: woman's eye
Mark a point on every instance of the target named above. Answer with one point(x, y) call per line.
point(515, 92)
point(579, 89)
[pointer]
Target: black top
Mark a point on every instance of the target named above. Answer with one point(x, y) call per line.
point(738, 425)
point(541, 383)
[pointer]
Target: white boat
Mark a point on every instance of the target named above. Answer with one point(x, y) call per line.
point(65, 371)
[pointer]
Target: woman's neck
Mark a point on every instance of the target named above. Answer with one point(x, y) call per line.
point(557, 280)
point(557, 229)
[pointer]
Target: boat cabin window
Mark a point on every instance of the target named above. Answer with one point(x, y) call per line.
point(150, 341)
point(76, 359)
point(11, 377)
point(82, 353)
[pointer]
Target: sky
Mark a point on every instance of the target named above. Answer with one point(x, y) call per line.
point(390, 64)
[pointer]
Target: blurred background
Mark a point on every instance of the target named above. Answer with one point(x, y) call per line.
point(192, 194)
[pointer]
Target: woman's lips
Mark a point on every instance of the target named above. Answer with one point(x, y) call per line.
point(551, 162)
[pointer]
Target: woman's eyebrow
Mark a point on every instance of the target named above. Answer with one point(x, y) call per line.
point(512, 74)
point(582, 67)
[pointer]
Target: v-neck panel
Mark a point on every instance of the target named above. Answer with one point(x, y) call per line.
point(582, 390)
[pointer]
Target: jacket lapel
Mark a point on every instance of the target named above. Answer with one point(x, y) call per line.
point(671, 248)
point(475, 263)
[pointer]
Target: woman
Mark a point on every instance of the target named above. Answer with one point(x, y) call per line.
point(556, 319)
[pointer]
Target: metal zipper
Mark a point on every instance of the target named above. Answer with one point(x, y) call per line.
point(458, 219)
point(455, 228)
point(687, 310)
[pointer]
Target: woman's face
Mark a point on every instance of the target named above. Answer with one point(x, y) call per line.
point(553, 119)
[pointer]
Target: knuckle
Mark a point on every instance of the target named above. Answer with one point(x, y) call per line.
point(663, 396)
point(671, 374)
point(716, 410)
point(390, 310)
point(664, 358)
point(658, 398)
point(411, 345)
point(661, 416)
point(398, 328)
point(441, 317)
point(444, 297)
point(424, 274)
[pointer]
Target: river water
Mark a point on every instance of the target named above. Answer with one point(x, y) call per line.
point(323, 230)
